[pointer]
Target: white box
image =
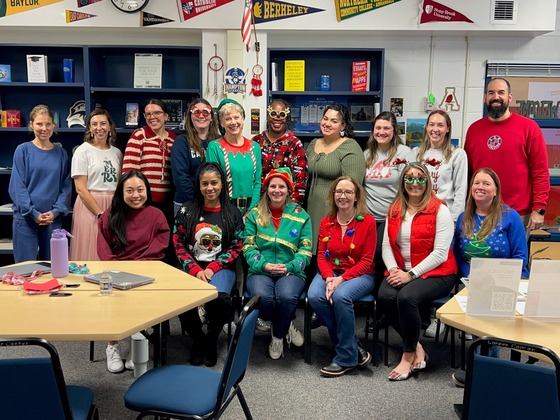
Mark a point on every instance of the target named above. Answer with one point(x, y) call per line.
point(147, 70)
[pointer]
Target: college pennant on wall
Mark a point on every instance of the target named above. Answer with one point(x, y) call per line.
point(11, 7)
point(269, 10)
point(73, 16)
point(149, 19)
point(349, 8)
point(188, 9)
point(436, 12)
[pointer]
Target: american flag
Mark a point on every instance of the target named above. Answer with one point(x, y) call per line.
point(246, 24)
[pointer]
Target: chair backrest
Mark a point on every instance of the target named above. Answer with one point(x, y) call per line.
point(31, 387)
point(498, 388)
point(239, 350)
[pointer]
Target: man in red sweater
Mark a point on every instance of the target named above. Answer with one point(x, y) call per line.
point(514, 147)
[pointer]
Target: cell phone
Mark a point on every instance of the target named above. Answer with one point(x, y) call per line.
point(60, 294)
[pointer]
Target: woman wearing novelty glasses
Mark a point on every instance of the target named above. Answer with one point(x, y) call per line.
point(420, 265)
point(189, 149)
point(281, 148)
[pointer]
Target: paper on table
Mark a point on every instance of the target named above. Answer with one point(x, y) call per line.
point(49, 286)
point(519, 307)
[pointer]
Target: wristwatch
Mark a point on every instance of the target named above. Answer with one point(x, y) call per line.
point(412, 275)
point(540, 211)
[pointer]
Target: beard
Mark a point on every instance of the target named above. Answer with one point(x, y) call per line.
point(497, 112)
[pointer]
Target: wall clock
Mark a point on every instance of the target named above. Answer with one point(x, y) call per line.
point(130, 6)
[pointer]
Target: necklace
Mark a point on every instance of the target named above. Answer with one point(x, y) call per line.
point(344, 224)
point(351, 232)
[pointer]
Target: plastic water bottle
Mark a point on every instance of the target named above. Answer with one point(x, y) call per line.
point(106, 283)
point(59, 253)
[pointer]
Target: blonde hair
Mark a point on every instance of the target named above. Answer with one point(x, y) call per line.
point(402, 194)
point(360, 204)
point(40, 110)
point(263, 206)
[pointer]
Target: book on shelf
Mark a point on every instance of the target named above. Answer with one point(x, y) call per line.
point(132, 112)
point(5, 73)
point(147, 70)
point(175, 112)
point(37, 69)
point(274, 76)
point(360, 76)
point(294, 75)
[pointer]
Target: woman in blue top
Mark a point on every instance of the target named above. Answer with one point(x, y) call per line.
point(40, 188)
point(488, 228)
point(189, 149)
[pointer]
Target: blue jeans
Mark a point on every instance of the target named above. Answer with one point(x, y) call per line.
point(339, 317)
point(279, 298)
point(223, 280)
point(28, 236)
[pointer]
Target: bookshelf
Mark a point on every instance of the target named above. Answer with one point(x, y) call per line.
point(337, 63)
point(104, 75)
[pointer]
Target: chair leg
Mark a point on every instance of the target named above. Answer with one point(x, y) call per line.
point(91, 350)
point(438, 329)
point(386, 346)
point(307, 332)
point(243, 403)
point(374, 334)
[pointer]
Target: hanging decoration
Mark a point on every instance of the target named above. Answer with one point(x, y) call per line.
point(256, 82)
point(215, 64)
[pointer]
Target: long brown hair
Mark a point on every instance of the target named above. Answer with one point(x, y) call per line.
point(111, 138)
point(447, 148)
point(373, 146)
point(191, 133)
point(402, 195)
point(360, 204)
point(494, 215)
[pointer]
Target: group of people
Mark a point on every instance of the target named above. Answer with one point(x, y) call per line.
point(389, 220)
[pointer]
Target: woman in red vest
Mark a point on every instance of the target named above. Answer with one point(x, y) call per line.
point(420, 263)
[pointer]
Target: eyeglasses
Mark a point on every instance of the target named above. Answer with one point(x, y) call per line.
point(410, 180)
point(275, 114)
point(155, 114)
point(347, 193)
point(204, 112)
point(208, 241)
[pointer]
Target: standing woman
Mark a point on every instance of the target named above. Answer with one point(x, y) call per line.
point(333, 155)
point(149, 151)
point(189, 149)
point(277, 248)
point(207, 238)
point(130, 230)
point(420, 264)
point(239, 157)
point(40, 188)
point(347, 239)
point(282, 149)
point(447, 164)
point(386, 157)
point(96, 167)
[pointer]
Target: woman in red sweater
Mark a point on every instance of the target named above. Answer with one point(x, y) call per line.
point(346, 245)
point(420, 264)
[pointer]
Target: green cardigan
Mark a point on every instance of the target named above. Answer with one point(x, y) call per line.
point(290, 245)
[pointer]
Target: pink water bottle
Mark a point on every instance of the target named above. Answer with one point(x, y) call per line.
point(59, 253)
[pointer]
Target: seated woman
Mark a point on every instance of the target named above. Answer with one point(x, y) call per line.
point(131, 229)
point(488, 228)
point(207, 239)
point(346, 246)
point(277, 248)
point(420, 264)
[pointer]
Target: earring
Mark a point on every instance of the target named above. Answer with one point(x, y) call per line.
point(91, 135)
point(342, 133)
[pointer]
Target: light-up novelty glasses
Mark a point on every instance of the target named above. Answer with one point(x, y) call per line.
point(411, 180)
point(275, 114)
point(197, 112)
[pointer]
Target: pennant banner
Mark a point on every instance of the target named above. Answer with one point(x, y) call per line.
point(72, 16)
point(269, 10)
point(436, 12)
point(149, 19)
point(346, 9)
point(189, 9)
point(11, 7)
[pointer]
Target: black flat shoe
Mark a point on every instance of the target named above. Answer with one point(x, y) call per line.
point(334, 370)
point(315, 322)
point(196, 354)
point(363, 357)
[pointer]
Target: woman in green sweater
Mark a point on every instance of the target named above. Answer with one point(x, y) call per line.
point(277, 248)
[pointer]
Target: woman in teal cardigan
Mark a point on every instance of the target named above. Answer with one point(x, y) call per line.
point(277, 248)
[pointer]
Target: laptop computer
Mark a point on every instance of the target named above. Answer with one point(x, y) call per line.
point(121, 279)
point(26, 270)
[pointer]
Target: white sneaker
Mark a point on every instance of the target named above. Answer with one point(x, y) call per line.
point(263, 325)
point(129, 364)
point(233, 327)
point(432, 329)
point(202, 314)
point(294, 336)
point(276, 347)
point(114, 359)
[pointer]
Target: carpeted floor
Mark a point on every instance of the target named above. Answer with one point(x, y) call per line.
point(288, 388)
